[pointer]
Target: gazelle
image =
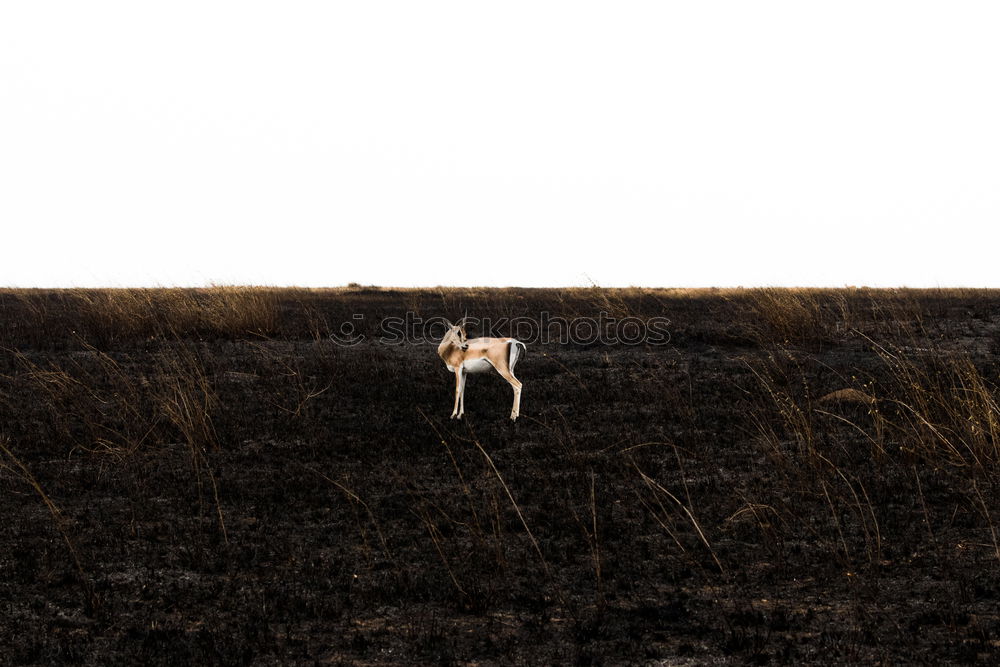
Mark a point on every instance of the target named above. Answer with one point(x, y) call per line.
point(462, 356)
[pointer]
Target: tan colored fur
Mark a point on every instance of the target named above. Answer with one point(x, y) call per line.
point(847, 396)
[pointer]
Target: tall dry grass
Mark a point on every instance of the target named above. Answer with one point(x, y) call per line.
point(945, 409)
point(923, 411)
point(104, 316)
point(100, 406)
point(818, 317)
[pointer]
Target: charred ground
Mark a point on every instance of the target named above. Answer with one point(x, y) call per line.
point(204, 476)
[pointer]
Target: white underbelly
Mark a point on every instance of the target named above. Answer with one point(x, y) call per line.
point(476, 365)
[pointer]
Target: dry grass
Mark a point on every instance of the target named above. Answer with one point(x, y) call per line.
point(946, 409)
point(11, 463)
point(107, 315)
point(927, 407)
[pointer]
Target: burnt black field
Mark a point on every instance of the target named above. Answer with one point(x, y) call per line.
point(205, 477)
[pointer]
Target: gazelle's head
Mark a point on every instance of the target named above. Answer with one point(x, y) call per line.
point(456, 334)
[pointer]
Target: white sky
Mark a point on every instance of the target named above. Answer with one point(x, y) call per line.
point(515, 143)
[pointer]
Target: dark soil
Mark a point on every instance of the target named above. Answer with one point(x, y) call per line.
point(203, 495)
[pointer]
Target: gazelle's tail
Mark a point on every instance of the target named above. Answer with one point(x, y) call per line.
point(515, 354)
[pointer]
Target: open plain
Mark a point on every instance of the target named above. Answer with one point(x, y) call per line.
point(207, 477)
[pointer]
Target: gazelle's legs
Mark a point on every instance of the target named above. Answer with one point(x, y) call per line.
point(458, 391)
point(515, 410)
point(461, 396)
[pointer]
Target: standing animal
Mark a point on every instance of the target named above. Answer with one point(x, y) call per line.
point(463, 355)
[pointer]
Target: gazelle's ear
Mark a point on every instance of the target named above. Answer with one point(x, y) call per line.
point(450, 325)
